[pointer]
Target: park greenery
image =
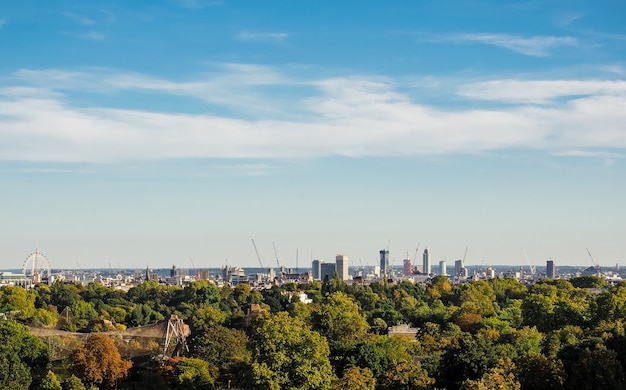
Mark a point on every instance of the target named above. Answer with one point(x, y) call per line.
point(487, 334)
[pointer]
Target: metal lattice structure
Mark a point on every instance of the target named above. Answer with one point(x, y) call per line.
point(162, 339)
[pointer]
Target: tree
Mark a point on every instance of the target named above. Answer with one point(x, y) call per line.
point(535, 371)
point(596, 368)
point(99, 361)
point(23, 357)
point(189, 374)
point(339, 319)
point(356, 378)
point(17, 300)
point(408, 376)
point(286, 352)
point(500, 377)
point(225, 349)
point(50, 382)
point(73, 383)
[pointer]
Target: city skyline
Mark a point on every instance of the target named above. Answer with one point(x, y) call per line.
point(151, 132)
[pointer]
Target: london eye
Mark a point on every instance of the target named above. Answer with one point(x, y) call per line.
point(36, 267)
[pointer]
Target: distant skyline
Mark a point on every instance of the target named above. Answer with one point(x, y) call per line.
point(143, 132)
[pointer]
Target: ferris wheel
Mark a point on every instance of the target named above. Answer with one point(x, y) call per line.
point(35, 266)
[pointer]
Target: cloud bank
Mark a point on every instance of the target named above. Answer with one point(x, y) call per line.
point(347, 116)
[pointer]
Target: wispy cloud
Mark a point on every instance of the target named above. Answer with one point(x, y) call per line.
point(256, 36)
point(2, 22)
point(94, 36)
point(539, 91)
point(199, 3)
point(567, 18)
point(78, 18)
point(348, 116)
point(589, 153)
point(250, 169)
point(536, 46)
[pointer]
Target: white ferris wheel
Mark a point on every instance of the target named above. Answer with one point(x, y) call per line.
point(36, 267)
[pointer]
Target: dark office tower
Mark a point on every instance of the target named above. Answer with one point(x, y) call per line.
point(316, 269)
point(384, 262)
point(550, 269)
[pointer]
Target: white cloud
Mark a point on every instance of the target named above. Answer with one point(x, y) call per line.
point(350, 116)
point(536, 46)
point(194, 4)
point(78, 18)
point(589, 153)
point(94, 36)
point(539, 91)
point(262, 36)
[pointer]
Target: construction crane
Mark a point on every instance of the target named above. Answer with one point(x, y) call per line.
point(193, 266)
point(276, 254)
point(258, 256)
point(532, 267)
point(417, 248)
point(465, 254)
point(596, 266)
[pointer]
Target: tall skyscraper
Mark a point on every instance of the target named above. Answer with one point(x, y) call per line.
point(426, 263)
point(442, 267)
point(341, 263)
point(458, 268)
point(550, 269)
point(327, 270)
point(316, 269)
point(384, 262)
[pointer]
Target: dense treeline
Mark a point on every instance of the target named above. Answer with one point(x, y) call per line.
point(556, 334)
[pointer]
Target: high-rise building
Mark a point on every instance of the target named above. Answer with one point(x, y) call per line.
point(327, 270)
point(384, 262)
point(458, 268)
point(550, 269)
point(341, 263)
point(442, 267)
point(407, 269)
point(316, 269)
point(426, 263)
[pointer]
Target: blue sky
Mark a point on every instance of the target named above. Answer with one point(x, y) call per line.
point(146, 132)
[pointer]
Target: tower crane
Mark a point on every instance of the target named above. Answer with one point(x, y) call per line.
point(276, 254)
point(257, 254)
point(532, 267)
point(596, 266)
point(465, 254)
point(193, 265)
point(417, 248)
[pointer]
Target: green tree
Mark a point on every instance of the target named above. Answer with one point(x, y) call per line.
point(73, 383)
point(588, 281)
point(17, 300)
point(23, 357)
point(286, 353)
point(225, 349)
point(356, 378)
point(594, 369)
point(535, 371)
point(501, 377)
point(407, 376)
point(50, 382)
point(339, 319)
point(193, 374)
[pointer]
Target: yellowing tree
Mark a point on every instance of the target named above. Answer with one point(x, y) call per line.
point(99, 361)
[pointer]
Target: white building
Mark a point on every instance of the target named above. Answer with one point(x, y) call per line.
point(341, 263)
point(426, 263)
